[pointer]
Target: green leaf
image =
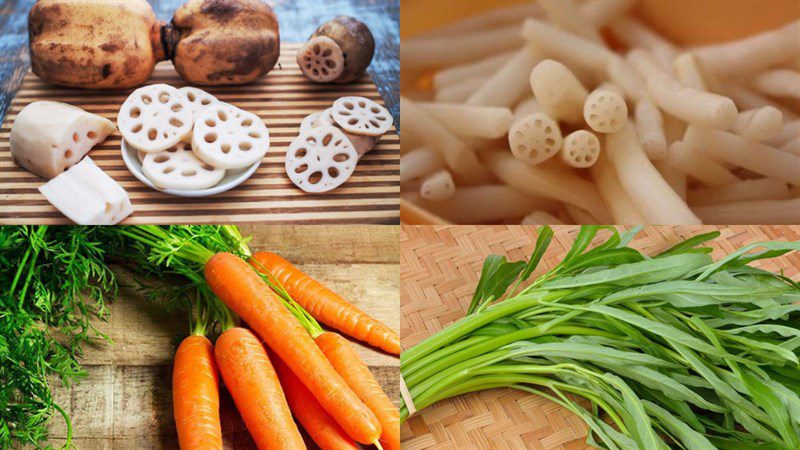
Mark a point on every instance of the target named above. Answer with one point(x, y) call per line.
point(496, 276)
point(641, 428)
point(740, 256)
point(690, 438)
point(542, 242)
point(764, 397)
point(690, 243)
point(642, 272)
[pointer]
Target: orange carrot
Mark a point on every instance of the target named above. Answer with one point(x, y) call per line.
point(307, 410)
point(358, 376)
point(254, 386)
point(236, 283)
point(195, 395)
point(327, 306)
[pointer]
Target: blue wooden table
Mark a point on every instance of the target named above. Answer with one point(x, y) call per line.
point(298, 19)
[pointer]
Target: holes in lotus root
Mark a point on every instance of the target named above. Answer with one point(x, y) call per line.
point(320, 159)
point(359, 115)
point(179, 168)
point(581, 149)
point(68, 154)
point(535, 138)
point(91, 135)
point(229, 138)
point(75, 137)
point(320, 59)
point(154, 118)
point(605, 111)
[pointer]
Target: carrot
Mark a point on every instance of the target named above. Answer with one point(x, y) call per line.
point(307, 410)
point(254, 386)
point(237, 284)
point(358, 376)
point(327, 306)
point(195, 395)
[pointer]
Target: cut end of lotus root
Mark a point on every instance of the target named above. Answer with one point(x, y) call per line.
point(359, 115)
point(605, 111)
point(198, 98)
point(154, 118)
point(320, 159)
point(535, 138)
point(179, 168)
point(227, 137)
point(581, 149)
point(321, 59)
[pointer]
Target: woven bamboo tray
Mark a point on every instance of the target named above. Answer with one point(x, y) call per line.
point(282, 99)
point(439, 268)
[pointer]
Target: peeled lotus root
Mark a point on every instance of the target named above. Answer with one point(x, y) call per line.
point(222, 42)
point(359, 115)
point(355, 41)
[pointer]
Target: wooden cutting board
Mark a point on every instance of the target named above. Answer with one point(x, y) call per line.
point(125, 403)
point(439, 269)
point(282, 99)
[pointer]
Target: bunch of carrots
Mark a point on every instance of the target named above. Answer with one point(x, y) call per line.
point(283, 364)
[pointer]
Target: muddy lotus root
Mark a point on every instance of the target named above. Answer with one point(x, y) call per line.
point(224, 42)
point(356, 44)
point(112, 44)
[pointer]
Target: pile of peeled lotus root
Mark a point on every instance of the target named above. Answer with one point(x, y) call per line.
point(116, 44)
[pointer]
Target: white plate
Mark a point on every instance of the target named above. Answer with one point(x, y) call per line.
point(231, 179)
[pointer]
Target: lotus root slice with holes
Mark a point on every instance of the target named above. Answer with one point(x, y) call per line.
point(359, 115)
point(198, 98)
point(581, 149)
point(320, 159)
point(605, 111)
point(227, 137)
point(535, 138)
point(178, 168)
point(325, 119)
point(154, 118)
point(321, 59)
point(309, 121)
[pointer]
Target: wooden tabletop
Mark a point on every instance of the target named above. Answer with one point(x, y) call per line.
point(125, 403)
point(297, 18)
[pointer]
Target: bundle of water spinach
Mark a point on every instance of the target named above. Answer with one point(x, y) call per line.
point(673, 350)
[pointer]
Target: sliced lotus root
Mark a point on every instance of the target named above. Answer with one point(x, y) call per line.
point(605, 111)
point(535, 138)
point(198, 98)
point(309, 121)
point(321, 59)
point(361, 143)
point(581, 149)
point(178, 168)
point(360, 115)
point(320, 159)
point(325, 119)
point(154, 118)
point(227, 137)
